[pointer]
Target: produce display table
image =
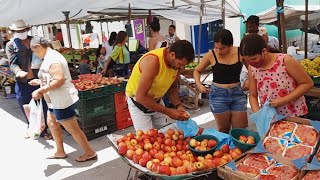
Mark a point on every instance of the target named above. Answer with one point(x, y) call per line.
point(77, 56)
point(5, 75)
point(198, 175)
point(300, 55)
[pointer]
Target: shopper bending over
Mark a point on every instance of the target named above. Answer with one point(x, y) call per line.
point(152, 76)
point(276, 77)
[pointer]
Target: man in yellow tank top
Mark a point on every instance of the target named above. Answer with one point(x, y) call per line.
point(152, 76)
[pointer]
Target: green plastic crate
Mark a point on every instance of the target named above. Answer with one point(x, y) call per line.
point(91, 108)
point(92, 93)
point(98, 126)
point(119, 87)
point(108, 89)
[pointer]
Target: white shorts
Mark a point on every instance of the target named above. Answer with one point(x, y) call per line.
point(145, 121)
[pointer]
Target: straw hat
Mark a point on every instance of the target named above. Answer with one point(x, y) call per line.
point(19, 25)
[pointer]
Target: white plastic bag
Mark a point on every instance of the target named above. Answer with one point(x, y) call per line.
point(35, 117)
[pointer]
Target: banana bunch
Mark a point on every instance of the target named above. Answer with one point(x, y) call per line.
point(311, 67)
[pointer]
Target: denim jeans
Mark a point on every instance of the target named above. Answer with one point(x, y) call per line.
point(227, 99)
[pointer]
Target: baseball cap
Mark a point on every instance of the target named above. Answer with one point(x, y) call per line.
point(252, 18)
point(38, 40)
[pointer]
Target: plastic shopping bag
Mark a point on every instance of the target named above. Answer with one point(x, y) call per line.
point(264, 117)
point(34, 112)
point(190, 128)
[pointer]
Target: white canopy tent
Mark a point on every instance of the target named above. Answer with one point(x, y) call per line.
point(37, 12)
point(187, 11)
point(292, 15)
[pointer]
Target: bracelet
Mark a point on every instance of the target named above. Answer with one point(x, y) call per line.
point(176, 106)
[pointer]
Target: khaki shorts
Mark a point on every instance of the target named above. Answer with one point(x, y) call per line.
point(145, 121)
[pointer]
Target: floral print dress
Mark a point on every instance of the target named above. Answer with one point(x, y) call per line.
point(275, 83)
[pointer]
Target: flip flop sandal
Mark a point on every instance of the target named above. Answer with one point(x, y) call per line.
point(57, 157)
point(94, 157)
point(47, 136)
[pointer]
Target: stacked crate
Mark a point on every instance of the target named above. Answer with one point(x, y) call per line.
point(95, 112)
point(123, 118)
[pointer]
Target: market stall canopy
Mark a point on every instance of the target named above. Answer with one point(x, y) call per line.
point(187, 11)
point(36, 12)
point(314, 21)
point(292, 15)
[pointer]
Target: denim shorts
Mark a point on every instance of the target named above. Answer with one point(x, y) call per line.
point(223, 100)
point(64, 114)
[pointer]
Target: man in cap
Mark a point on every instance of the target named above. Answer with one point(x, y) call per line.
point(252, 24)
point(20, 56)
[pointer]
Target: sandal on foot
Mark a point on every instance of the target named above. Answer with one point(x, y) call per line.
point(84, 159)
point(57, 157)
point(47, 136)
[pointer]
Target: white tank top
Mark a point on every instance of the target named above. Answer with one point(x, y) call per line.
point(65, 95)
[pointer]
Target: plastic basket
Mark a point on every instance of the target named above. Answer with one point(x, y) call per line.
point(200, 138)
point(123, 119)
point(235, 133)
point(98, 126)
point(120, 101)
point(95, 107)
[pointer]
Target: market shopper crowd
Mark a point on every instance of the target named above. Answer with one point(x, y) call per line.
point(256, 66)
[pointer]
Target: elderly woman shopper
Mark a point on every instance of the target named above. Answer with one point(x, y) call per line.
point(61, 97)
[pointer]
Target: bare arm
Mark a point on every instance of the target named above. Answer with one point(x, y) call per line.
point(177, 39)
point(57, 74)
point(253, 93)
point(107, 64)
point(304, 82)
point(173, 93)
point(205, 62)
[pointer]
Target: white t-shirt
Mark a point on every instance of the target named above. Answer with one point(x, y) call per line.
point(273, 42)
point(65, 95)
point(108, 48)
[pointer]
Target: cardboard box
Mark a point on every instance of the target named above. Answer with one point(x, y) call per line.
point(298, 120)
point(227, 173)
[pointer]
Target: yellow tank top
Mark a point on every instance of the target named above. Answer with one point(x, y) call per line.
point(161, 82)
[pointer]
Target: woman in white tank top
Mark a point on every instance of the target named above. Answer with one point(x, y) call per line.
point(157, 40)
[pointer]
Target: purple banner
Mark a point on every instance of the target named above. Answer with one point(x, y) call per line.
point(139, 31)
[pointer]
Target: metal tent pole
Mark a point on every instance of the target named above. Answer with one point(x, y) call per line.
point(306, 24)
point(66, 14)
point(200, 29)
point(101, 30)
point(281, 21)
point(223, 14)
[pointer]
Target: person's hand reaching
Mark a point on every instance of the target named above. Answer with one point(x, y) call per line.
point(21, 74)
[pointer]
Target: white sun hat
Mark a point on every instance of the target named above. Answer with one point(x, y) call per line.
point(18, 25)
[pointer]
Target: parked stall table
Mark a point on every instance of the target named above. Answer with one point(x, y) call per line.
point(5, 75)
